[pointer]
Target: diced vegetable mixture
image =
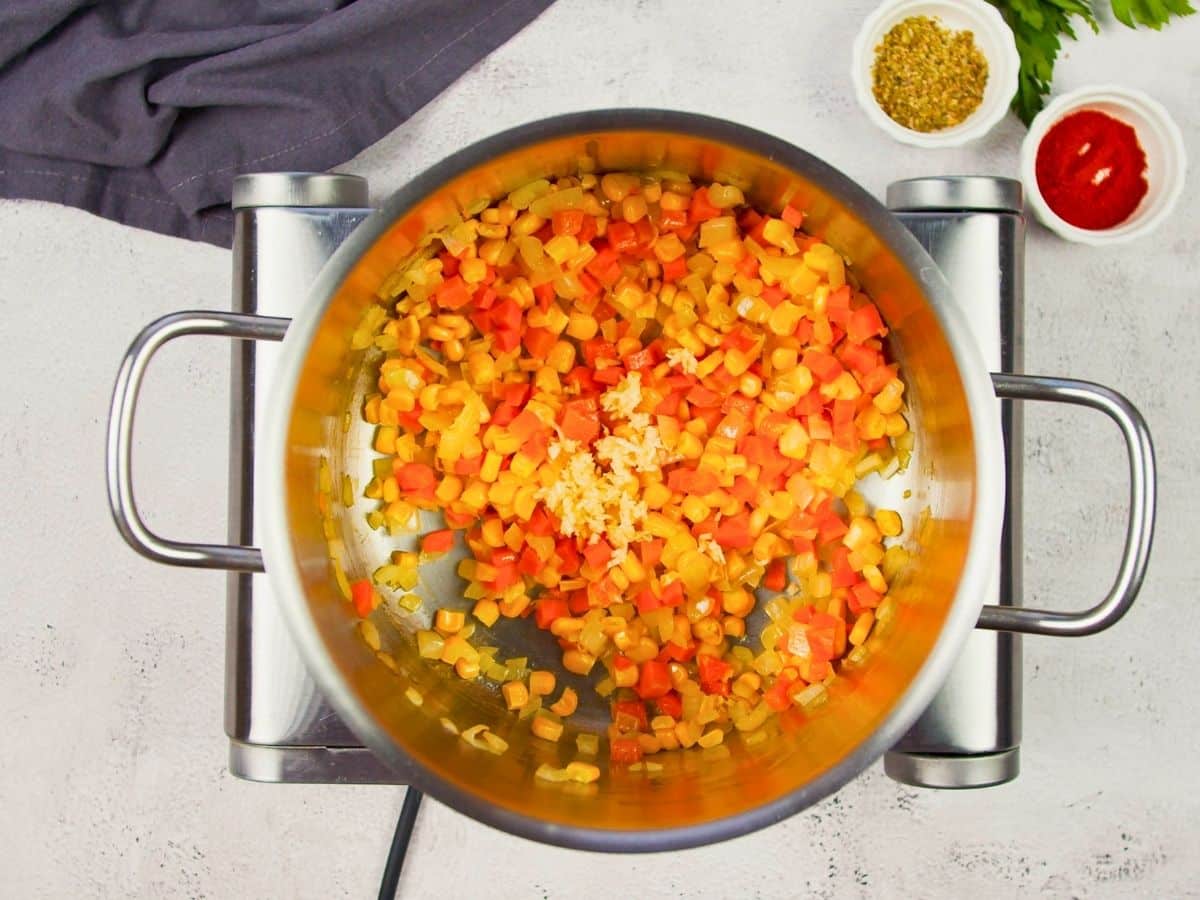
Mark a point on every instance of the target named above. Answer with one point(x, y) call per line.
point(639, 401)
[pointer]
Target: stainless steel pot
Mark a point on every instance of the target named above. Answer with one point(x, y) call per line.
point(956, 482)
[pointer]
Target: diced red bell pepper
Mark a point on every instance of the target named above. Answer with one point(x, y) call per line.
point(458, 519)
point(714, 675)
point(739, 403)
point(671, 220)
point(540, 523)
point(702, 397)
point(840, 571)
point(598, 348)
point(503, 414)
point(693, 481)
point(865, 323)
point(778, 695)
point(650, 552)
point(530, 563)
point(803, 331)
point(568, 556)
point(672, 594)
point(679, 653)
point(580, 380)
point(867, 597)
point(625, 751)
point(437, 541)
point(824, 366)
point(773, 295)
point(506, 576)
point(646, 358)
point(622, 237)
point(515, 393)
point(468, 465)
point(567, 221)
point(733, 533)
point(844, 434)
point(609, 375)
point(543, 296)
point(507, 339)
point(669, 405)
point(605, 266)
point(415, 476)
point(654, 680)
point(674, 269)
point(859, 358)
point(646, 601)
point(453, 293)
point(747, 266)
point(580, 420)
point(759, 449)
point(598, 554)
point(670, 704)
point(578, 602)
point(792, 216)
point(822, 636)
point(749, 218)
point(744, 489)
point(450, 264)
point(701, 209)
point(776, 576)
point(549, 607)
point(485, 298)
point(506, 314)
point(830, 525)
point(362, 595)
point(634, 708)
point(837, 306)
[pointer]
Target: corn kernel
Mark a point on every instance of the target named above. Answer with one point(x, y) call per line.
point(515, 694)
point(889, 522)
point(625, 676)
point(695, 509)
point(449, 621)
point(546, 728)
point(582, 327)
point(862, 628)
point(466, 669)
point(578, 661)
point(486, 611)
point(541, 683)
point(566, 704)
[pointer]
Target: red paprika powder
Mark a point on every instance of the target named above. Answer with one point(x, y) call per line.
point(1091, 170)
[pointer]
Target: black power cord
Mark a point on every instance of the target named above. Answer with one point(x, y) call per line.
point(399, 849)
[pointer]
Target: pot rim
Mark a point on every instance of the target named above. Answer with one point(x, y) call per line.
point(988, 500)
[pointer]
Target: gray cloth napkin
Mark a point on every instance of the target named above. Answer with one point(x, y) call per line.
point(143, 111)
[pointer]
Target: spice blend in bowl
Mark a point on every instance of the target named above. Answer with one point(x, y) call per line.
point(935, 73)
point(927, 77)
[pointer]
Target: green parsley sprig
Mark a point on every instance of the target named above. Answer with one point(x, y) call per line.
point(1038, 26)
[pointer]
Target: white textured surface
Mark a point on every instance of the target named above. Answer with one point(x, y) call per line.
point(112, 779)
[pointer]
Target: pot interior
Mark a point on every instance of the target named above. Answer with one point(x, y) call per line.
point(805, 755)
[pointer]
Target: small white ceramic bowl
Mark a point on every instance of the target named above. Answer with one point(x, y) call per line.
point(994, 39)
point(1166, 160)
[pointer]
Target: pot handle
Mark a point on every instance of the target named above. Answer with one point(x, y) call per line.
point(1139, 533)
point(120, 436)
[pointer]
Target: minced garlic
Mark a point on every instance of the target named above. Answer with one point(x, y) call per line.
point(624, 397)
point(597, 493)
point(683, 359)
